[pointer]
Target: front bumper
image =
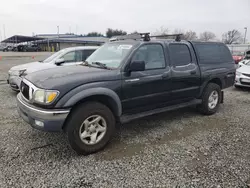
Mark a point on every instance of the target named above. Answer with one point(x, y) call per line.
point(14, 82)
point(43, 119)
point(243, 81)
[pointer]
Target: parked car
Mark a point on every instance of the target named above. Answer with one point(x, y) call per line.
point(8, 48)
point(243, 62)
point(242, 78)
point(122, 81)
point(65, 57)
point(247, 54)
point(238, 56)
point(31, 48)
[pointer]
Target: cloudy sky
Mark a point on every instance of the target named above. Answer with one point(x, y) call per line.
point(82, 16)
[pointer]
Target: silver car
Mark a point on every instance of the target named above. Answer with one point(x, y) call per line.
point(242, 78)
point(65, 57)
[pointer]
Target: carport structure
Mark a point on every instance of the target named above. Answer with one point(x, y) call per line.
point(16, 39)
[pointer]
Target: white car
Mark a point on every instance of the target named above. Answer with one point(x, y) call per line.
point(243, 62)
point(65, 57)
point(242, 78)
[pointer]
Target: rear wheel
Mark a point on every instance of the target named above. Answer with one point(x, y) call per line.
point(90, 127)
point(211, 98)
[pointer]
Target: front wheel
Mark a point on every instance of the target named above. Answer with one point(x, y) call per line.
point(211, 99)
point(90, 127)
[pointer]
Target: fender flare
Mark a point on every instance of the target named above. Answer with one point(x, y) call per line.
point(203, 86)
point(72, 100)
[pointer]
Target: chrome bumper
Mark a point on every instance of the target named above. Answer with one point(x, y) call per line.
point(50, 120)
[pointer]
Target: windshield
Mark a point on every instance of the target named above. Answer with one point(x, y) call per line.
point(52, 57)
point(110, 54)
point(247, 63)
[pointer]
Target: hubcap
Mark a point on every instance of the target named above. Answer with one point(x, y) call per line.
point(93, 129)
point(213, 99)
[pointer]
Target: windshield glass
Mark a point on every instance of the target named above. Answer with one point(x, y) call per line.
point(110, 54)
point(247, 63)
point(52, 57)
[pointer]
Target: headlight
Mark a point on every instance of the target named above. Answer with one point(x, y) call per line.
point(45, 96)
point(238, 73)
point(17, 72)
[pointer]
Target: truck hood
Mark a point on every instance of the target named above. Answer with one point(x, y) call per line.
point(69, 77)
point(33, 67)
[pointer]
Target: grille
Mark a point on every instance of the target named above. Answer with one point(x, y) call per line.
point(247, 75)
point(25, 90)
point(244, 83)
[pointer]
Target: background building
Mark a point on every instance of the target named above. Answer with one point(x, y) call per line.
point(55, 42)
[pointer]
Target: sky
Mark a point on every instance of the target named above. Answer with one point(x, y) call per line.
point(25, 17)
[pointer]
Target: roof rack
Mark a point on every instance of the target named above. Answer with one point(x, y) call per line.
point(177, 36)
point(143, 36)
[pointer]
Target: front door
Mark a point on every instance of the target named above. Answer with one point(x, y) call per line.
point(143, 89)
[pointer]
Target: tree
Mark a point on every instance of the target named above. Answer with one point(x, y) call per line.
point(135, 32)
point(178, 31)
point(114, 32)
point(189, 35)
point(94, 34)
point(233, 36)
point(207, 35)
point(161, 31)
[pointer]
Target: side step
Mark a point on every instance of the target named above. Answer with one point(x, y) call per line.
point(126, 118)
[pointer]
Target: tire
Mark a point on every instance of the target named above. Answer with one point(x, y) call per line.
point(75, 126)
point(205, 108)
point(237, 87)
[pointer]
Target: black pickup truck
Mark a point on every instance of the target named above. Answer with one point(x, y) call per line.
point(122, 81)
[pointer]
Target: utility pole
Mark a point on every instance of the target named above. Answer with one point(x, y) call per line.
point(4, 32)
point(245, 35)
point(58, 31)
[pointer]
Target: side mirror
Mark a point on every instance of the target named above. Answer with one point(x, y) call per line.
point(137, 66)
point(59, 61)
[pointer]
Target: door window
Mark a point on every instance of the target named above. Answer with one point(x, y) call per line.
point(69, 57)
point(86, 54)
point(152, 55)
point(180, 54)
point(78, 56)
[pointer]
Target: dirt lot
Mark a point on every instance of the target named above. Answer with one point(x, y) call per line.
point(174, 149)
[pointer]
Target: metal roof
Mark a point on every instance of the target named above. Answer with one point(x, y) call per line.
point(65, 39)
point(78, 40)
point(20, 38)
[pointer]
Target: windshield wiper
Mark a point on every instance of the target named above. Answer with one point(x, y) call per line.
point(102, 65)
point(85, 63)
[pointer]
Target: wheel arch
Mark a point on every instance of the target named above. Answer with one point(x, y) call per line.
point(215, 80)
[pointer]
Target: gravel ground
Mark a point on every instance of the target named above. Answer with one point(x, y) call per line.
point(174, 149)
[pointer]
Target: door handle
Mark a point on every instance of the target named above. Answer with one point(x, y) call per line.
point(193, 72)
point(165, 75)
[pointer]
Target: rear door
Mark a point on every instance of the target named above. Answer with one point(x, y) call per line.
point(185, 73)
